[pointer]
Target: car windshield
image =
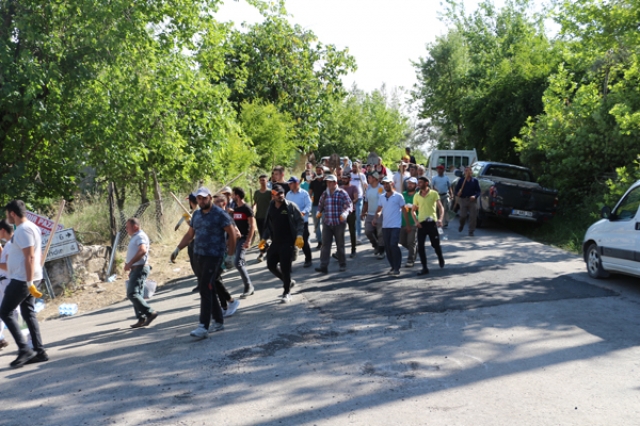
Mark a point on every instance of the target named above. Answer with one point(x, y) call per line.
point(628, 207)
point(509, 173)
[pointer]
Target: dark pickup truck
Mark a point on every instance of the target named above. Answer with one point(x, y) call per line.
point(509, 191)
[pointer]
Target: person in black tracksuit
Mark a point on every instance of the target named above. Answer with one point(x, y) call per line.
point(285, 226)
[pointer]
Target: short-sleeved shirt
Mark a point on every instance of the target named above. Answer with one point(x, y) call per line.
point(373, 193)
point(241, 216)
point(352, 191)
point(358, 180)
point(4, 275)
point(26, 235)
point(136, 241)
point(408, 199)
point(391, 209)
point(262, 200)
point(441, 184)
point(210, 237)
point(316, 188)
point(427, 205)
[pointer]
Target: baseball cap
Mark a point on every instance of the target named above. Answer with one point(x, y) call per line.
point(293, 179)
point(225, 190)
point(375, 175)
point(387, 179)
point(202, 192)
point(331, 178)
point(412, 180)
point(423, 178)
point(440, 166)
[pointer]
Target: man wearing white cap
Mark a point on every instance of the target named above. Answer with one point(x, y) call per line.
point(390, 206)
point(409, 230)
point(207, 228)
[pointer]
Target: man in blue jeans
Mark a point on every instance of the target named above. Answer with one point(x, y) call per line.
point(390, 205)
point(136, 265)
point(246, 223)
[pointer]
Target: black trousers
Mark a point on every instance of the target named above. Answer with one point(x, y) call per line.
point(17, 294)
point(305, 248)
point(351, 224)
point(208, 271)
point(261, 227)
point(281, 253)
point(430, 229)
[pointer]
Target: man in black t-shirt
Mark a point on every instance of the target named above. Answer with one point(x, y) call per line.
point(316, 188)
point(243, 217)
point(261, 200)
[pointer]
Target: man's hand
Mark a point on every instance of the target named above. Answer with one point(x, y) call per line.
point(439, 223)
point(127, 267)
point(343, 218)
point(408, 228)
point(472, 198)
point(319, 215)
point(299, 242)
point(230, 261)
point(374, 222)
point(246, 244)
point(174, 255)
point(418, 225)
point(33, 290)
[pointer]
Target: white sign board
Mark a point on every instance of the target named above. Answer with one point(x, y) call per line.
point(45, 224)
point(64, 244)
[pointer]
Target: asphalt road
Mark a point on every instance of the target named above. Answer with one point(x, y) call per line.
point(509, 332)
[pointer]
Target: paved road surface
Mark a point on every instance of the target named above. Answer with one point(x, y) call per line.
point(509, 332)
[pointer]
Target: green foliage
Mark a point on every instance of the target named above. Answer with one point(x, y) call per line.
point(625, 177)
point(362, 123)
point(481, 81)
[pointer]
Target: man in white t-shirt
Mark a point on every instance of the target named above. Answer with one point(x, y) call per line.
point(136, 265)
point(6, 233)
point(359, 180)
point(373, 232)
point(390, 205)
point(25, 272)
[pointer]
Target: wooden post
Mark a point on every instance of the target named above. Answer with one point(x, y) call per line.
point(158, 198)
point(113, 224)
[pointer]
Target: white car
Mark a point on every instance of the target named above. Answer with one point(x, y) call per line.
point(612, 244)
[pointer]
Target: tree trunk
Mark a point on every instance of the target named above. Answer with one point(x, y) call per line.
point(157, 196)
point(113, 223)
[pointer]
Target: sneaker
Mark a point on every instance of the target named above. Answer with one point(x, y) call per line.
point(322, 270)
point(409, 264)
point(380, 256)
point(353, 254)
point(307, 264)
point(335, 256)
point(41, 357)
point(195, 289)
point(395, 273)
point(460, 228)
point(390, 272)
point(23, 358)
point(139, 324)
point(259, 259)
point(247, 293)
point(424, 271)
point(200, 332)
point(286, 298)
point(216, 326)
point(150, 318)
point(292, 284)
point(3, 344)
point(441, 262)
point(319, 246)
point(232, 307)
point(471, 234)
point(343, 268)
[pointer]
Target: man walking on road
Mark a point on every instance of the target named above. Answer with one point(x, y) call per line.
point(427, 204)
point(334, 207)
point(285, 227)
point(301, 199)
point(468, 191)
point(352, 191)
point(136, 265)
point(261, 200)
point(316, 188)
point(408, 229)
point(358, 180)
point(390, 206)
point(246, 224)
point(373, 232)
point(208, 227)
point(25, 271)
point(442, 185)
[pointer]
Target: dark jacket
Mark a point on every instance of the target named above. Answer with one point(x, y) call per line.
point(296, 222)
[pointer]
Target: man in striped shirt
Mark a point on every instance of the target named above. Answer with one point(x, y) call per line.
point(334, 207)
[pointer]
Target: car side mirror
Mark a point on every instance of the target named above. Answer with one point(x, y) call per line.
point(605, 213)
point(458, 173)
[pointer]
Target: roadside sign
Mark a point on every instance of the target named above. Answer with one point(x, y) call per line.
point(45, 224)
point(64, 244)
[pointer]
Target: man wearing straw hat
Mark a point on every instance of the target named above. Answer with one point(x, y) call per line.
point(25, 271)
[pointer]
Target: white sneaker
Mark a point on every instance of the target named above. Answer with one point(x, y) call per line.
point(200, 332)
point(215, 326)
point(231, 308)
point(286, 298)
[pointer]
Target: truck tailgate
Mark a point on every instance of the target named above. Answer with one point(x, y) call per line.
point(525, 196)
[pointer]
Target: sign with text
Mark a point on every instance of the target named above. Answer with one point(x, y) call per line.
point(64, 244)
point(43, 223)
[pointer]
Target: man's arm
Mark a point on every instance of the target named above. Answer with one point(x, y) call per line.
point(187, 238)
point(299, 221)
point(142, 250)
point(252, 229)
point(365, 208)
point(29, 262)
point(441, 213)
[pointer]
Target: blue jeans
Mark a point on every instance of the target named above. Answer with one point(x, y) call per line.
point(358, 205)
point(317, 224)
point(241, 264)
point(391, 239)
point(135, 290)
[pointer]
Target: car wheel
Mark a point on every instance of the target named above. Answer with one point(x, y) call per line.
point(594, 263)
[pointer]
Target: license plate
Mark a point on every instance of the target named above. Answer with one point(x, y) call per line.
point(521, 213)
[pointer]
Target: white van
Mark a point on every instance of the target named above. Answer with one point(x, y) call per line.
point(612, 244)
point(452, 160)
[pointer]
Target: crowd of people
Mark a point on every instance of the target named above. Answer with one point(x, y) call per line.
point(394, 209)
